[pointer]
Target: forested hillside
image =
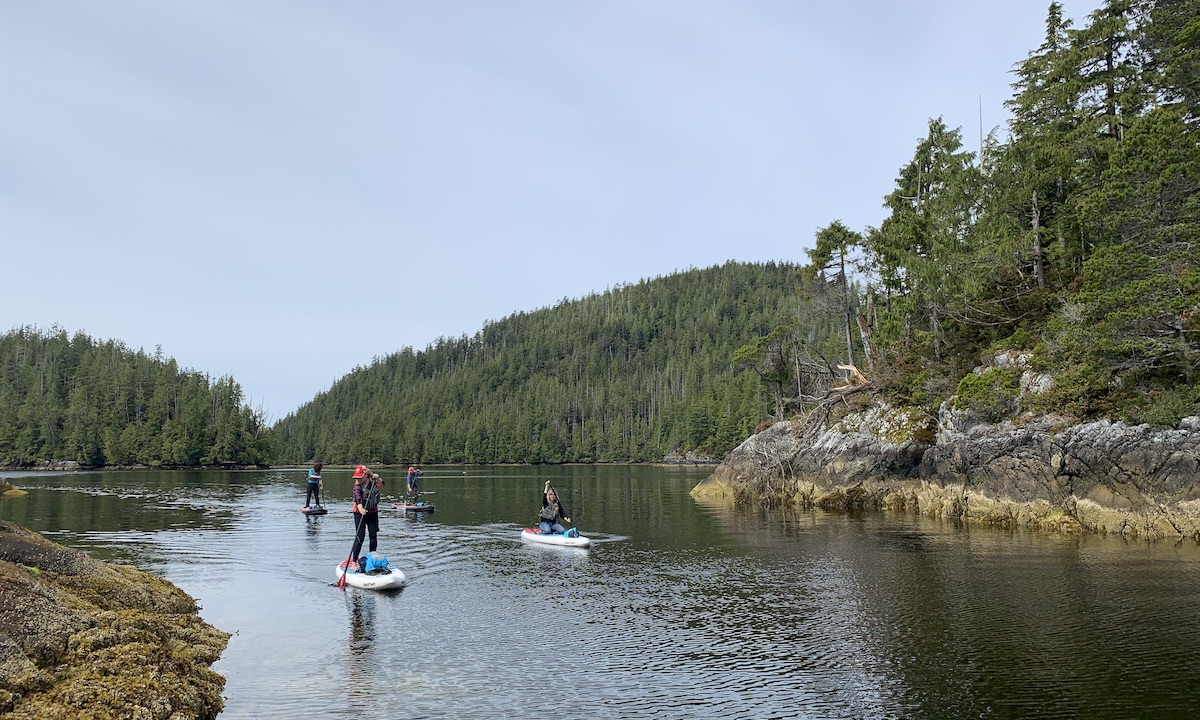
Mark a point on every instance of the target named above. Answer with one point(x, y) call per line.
point(99, 403)
point(630, 374)
point(1075, 241)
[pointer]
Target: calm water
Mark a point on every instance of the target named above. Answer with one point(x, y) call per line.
point(679, 611)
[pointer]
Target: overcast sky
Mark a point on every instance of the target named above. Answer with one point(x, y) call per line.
point(281, 191)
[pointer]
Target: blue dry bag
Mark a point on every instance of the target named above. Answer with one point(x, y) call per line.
point(376, 562)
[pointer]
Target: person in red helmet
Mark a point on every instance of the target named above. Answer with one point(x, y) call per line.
point(411, 490)
point(368, 487)
point(360, 472)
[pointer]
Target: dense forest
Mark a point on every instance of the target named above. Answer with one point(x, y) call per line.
point(1074, 241)
point(1071, 238)
point(99, 403)
point(631, 374)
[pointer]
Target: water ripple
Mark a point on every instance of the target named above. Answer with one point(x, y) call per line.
point(677, 611)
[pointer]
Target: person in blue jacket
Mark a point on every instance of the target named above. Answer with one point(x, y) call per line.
point(314, 486)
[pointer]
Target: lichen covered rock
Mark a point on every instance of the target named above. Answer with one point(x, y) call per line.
point(80, 638)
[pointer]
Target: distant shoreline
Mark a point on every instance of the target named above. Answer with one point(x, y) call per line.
point(71, 466)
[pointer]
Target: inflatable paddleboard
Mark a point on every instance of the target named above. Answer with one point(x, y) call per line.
point(314, 510)
point(421, 506)
point(570, 538)
point(390, 579)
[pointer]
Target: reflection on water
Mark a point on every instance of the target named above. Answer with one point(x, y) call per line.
point(362, 660)
point(678, 610)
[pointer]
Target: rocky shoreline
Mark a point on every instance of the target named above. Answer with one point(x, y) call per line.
point(1046, 472)
point(71, 466)
point(80, 638)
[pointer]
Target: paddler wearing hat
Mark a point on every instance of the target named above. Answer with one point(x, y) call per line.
point(414, 476)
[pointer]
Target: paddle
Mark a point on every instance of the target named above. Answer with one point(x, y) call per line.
point(562, 510)
point(341, 583)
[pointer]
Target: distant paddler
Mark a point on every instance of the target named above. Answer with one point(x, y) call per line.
point(314, 486)
point(411, 490)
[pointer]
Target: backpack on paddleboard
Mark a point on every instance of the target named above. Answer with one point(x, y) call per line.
point(373, 563)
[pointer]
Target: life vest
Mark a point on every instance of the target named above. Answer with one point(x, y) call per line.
point(549, 512)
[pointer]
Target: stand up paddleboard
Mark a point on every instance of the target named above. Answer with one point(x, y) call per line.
point(418, 507)
point(388, 579)
point(314, 510)
point(570, 538)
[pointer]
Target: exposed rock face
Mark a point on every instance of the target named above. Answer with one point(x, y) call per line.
point(1046, 472)
point(1105, 476)
point(80, 638)
point(689, 458)
point(784, 465)
point(52, 465)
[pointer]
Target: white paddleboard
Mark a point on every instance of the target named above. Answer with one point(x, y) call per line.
point(570, 538)
point(393, 579)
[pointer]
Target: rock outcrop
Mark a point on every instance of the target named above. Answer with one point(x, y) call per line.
point(80, 638)
point(688, 458)
point(1047, 472)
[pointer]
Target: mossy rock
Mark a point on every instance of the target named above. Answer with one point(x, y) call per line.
point(8, 490)
point(84, 639)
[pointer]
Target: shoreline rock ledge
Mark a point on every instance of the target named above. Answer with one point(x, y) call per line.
point(1043, 472)
point(80, 638)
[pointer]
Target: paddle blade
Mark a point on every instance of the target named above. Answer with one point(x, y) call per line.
point(342, 579)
